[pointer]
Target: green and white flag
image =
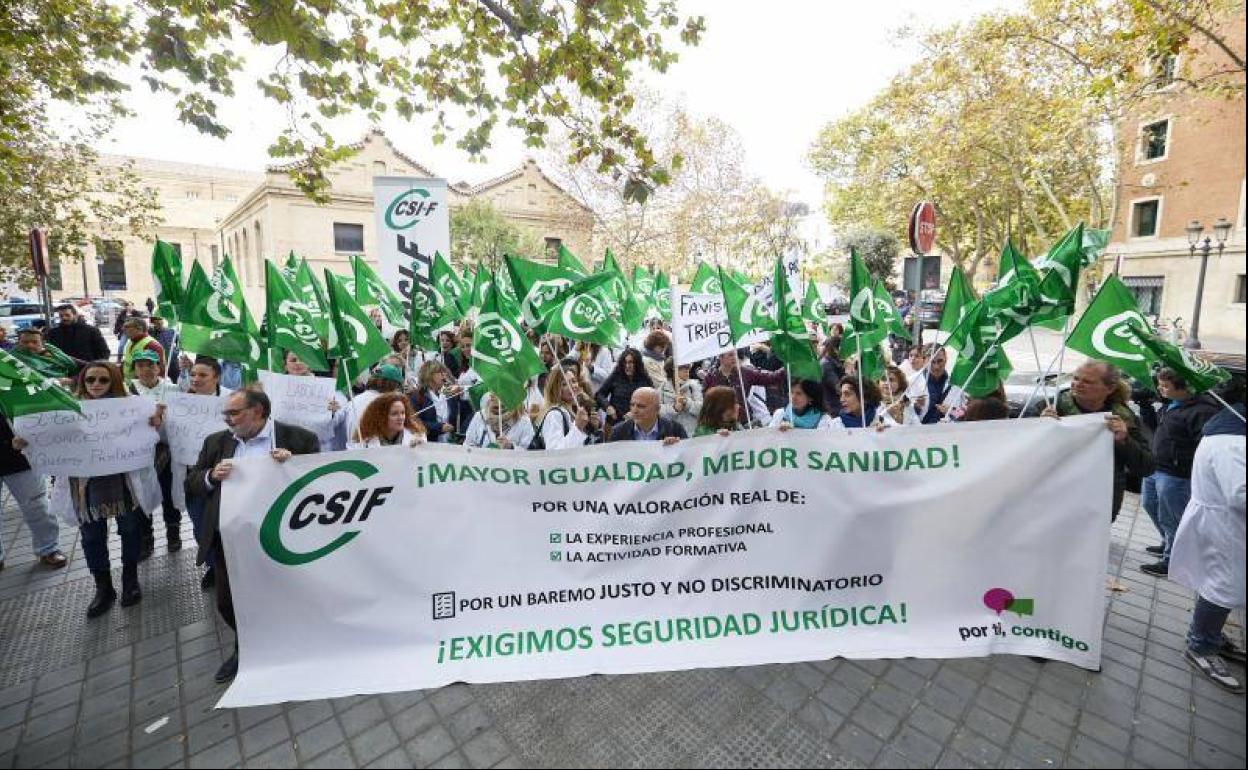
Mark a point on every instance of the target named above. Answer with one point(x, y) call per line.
point(813, 309)
point(308, 288)
point(1199, 374)
point(447, 290)
point(1094, 244)
point(426, 313)
point(854, 342)
point(959, 298)
point(745, 313)
point(643, 287)
point(502, 355)
point(355, 342)
point(705, 280)
point(54, 364)
point(1059, 270)
point(1016, 297)
point(215, 320)
point(24, 391)
point(791, 341)
point(1112, 330)
point(167, 273)
point(862, 304)
point(539, 286)
point(886, 315)
point(663, 296)
point(289, 323)
point(569, 262)
point(980, 354)
point(371, 291)
point(632, 310)
point(290, 268)
point(581, 312)
point(480, 287)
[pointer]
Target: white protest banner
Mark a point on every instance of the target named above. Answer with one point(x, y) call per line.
point(303, 401)
point(413, 224)
point(700, 327)
point(112, 435)
point(189, 419)
point(396, 569)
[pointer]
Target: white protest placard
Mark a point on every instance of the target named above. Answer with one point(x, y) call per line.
point(700, 327)
point(112, 435)
point(302, 401)
point(189, 419)
point(395, 569)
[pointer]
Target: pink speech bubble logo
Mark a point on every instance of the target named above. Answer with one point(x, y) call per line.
point(998, 600)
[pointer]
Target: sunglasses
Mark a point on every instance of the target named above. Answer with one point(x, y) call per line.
point(97, 380)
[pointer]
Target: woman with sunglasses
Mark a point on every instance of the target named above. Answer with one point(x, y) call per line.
point(124, 497)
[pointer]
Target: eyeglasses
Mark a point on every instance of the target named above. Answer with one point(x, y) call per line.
point(97, 380)
point(232, 412)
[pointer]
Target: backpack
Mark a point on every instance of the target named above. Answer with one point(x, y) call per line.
point(539, 438)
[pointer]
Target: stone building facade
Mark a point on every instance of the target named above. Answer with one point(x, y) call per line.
point(1183, 160)
point(210, 211)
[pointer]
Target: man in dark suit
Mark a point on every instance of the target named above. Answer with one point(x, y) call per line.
point(644, 423)
point(251, 433)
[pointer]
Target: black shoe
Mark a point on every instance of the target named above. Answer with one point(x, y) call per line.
point(104, 594)
point(147, 545)
point(208, 580)
point(173, 538)
point(130, 593)
point(1157, 550)
point(1156, 569)
point(1231, 651)
point(228, 669)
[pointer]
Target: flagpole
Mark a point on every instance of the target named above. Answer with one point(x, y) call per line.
point(936, 346)
point(1044, 378)
point(1229, 408)
point(1035, 350)
point(862, 398)
point(984, 358)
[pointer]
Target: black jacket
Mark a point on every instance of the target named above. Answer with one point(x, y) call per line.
point(220, 446)
point(80, 340)
point(1178, 434)
point(618, 391)
point(11, 460)
point(459, 414)
point(667, 429)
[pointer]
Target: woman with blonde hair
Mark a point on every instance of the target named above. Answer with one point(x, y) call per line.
point(389, 421)
point(496, 426)
point(565, 421)
point(436, 401)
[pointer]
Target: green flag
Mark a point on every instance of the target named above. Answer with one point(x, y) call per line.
point(290, 268)
point(539, 287)
point(501, 355)
point(745, 313)
point(1094, 243)
point(663, 296)
point(167, 274)
point(980, 354)
point(54, 363)
point(581, 312)
point(791, 341)
point(289, 322)
point(480, 286)
point(426, 313)
point(705, 280)
point(632, 310)
point(370, 291)
point(308, 288)
point(447, 291)
point(356, 343)
point(569, 262)
point(1112, 330)
point(813, 309)
point(215, 320)
point(862, 304)
point(886, 315)
point(1016, 297)
point(643, 287)
point(1059, 270)
point(958, 300)
point(1199, 374)
point(854, 342)
point(24, 391)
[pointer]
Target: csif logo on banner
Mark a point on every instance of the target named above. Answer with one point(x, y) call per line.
point(409, 207)
point(293, 511)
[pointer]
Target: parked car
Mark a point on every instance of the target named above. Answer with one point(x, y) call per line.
point(1020, 386)
point(17, 314)
point(106, 310)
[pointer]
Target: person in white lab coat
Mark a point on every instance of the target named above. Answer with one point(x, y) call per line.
point(484, 430)
point(1208, 551)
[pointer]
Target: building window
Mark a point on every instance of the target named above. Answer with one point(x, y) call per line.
point(379, 168)
point(177, 249)
point(552, 247)
point(1164, 69)
point(532, 195)
point(112, 256)
point(1154, 140)
point(192, 195)
point(1240, 298)
point(1147, 290)
point(1145, 218)
point(349, 237)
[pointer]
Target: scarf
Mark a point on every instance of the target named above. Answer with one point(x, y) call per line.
point(808, 421)
point(100, 497)
point(853, 421)
point(51, 363)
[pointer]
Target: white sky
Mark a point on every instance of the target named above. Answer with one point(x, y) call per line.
point(776, 71)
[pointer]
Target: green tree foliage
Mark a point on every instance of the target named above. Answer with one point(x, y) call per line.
point(481, 235)
point(878, 249)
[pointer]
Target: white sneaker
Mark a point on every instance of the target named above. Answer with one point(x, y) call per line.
point(1215, 668)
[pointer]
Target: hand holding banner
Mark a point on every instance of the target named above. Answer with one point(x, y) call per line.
point(189, 419)
point(111, 435)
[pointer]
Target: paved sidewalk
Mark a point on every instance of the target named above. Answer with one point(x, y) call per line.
point(135, 689)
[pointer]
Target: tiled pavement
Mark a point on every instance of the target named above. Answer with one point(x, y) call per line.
point(135, 689)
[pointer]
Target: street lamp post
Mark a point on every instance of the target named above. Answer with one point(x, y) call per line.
point(1221, 229)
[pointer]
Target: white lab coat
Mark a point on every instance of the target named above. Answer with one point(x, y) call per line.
point(481, 434)
point(1208, 552)
point(375, 443)
point(553, 426)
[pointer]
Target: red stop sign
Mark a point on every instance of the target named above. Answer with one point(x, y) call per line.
point(922, 228)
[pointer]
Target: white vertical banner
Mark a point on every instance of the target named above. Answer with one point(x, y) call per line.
point(413, 223)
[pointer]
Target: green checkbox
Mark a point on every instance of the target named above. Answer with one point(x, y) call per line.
point(555, 537)
point(556, 556)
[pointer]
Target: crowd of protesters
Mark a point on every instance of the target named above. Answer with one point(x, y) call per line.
point(590, 394)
